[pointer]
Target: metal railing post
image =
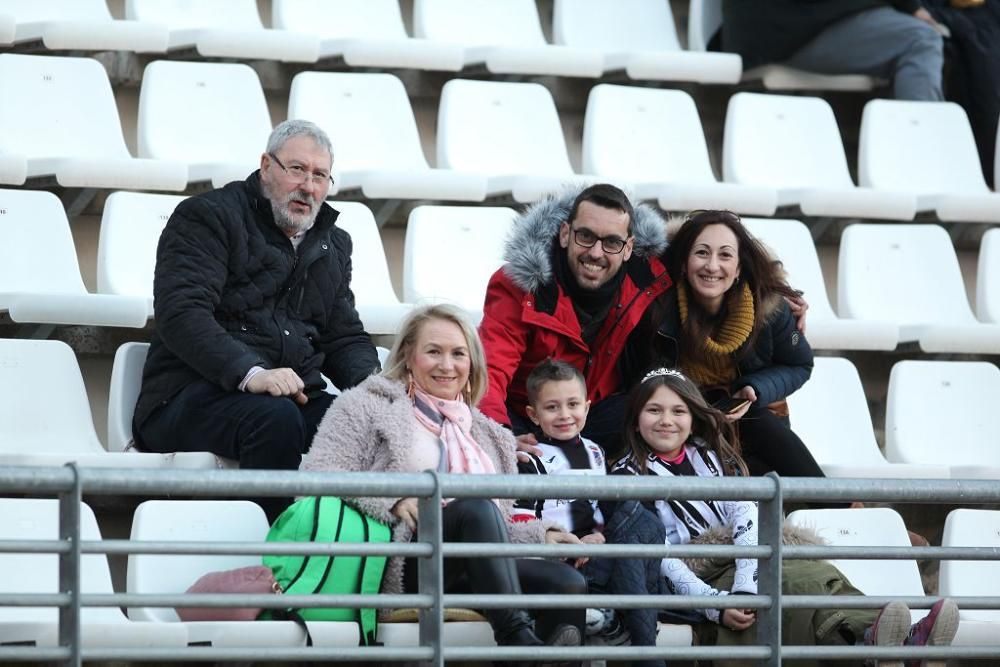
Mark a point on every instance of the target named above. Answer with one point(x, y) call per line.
point(769, 620)
point(69, 568)
point(431, 572)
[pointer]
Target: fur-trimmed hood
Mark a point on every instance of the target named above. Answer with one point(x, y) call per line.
point(529, 245)
point(791, 535)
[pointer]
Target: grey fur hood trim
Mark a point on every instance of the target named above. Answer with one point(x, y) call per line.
point(705, 567)
point(527, 252)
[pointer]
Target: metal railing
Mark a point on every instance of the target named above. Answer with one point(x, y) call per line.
point(771, 492)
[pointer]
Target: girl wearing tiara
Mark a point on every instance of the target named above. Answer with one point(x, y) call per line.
point(669, 431)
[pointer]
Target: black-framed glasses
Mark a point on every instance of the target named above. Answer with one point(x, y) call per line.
point(613, 245)
point(300, 174)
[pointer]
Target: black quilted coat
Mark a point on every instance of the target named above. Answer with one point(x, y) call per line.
point(230, 293)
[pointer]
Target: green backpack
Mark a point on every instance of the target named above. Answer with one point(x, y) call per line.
point(327, 519)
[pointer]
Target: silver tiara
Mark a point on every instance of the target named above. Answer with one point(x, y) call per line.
point(657, 372)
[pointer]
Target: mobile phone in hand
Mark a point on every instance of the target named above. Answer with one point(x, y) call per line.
point(730, 405)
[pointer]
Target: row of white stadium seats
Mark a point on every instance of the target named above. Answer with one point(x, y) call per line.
point(883, 527)
point(887, 294)
point(171, 521)
point(592, 37)
point(242, 521)
point(841, 439)
point(208, 121)
point(506, 37)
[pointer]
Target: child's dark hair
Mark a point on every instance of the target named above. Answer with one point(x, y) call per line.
point(707, 424)
point(551, 370)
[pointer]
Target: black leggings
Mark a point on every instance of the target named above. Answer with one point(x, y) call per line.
point(770, 444)
point(479, 520)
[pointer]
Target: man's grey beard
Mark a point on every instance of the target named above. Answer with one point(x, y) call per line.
point(286, 221)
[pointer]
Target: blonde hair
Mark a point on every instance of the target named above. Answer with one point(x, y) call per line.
point(396, 365)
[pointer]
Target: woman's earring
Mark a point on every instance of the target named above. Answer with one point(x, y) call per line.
point(409, 384)
point(467, 392)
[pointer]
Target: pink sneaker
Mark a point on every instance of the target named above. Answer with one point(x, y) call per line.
point(889, 629)
point(938, 628)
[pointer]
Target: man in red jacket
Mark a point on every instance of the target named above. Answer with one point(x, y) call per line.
point(582, 268)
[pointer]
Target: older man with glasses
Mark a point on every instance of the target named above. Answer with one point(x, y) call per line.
point(253, 302)
point(582, 269)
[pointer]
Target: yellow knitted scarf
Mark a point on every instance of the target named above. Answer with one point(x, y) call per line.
point(716, 365)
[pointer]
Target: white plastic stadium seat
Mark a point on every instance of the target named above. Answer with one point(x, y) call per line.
point(830, 414)
point(213, 116)
point(211, 521)
point(224, 29)
point(909, 274)
point(870, 527)
point(652, 138)
point(505, 36)
point(705, 19)
point(7, 28)
point(475, 238)
point(365, 33)
point(988, 278)
point(973, 528)
point(374, 135)
point(926, 149)
point(793, 144)
point(375, 299)
point(792, 244)
point(966, 437)
point(80, 25)
point(101, 627)
point(68, 127)
point(508, 131)
point(639, 36)
point(126, 251)
point(126, 379)
point(40, 278)
point(31, 435)
point(13, 169)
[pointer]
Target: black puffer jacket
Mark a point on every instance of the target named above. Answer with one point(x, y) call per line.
point(778, 360)
point(231, 293)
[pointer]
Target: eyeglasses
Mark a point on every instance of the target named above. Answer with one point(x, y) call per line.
point(300, 175)
point(585, 238)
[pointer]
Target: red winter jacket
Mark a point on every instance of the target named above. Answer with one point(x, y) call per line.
point(528, 317)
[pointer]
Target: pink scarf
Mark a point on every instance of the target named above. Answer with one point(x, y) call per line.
point(451, 421)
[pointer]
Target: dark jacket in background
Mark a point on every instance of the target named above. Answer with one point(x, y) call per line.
point(770, 31)
point(972, 70)
point(230, 292)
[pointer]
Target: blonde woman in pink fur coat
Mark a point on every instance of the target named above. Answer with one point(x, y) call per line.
point(420, 414)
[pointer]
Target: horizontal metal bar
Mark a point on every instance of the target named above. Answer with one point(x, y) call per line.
point(409, 550)
point(34, 546)
point(887, 652)
point(485, 549)
point(33, 653)
point(48, 480)
point(624, 653)
point(597, 601)
point(376, 654)
point(34, 599)
point(890, 553)
point(266, 601)
point(879, 601)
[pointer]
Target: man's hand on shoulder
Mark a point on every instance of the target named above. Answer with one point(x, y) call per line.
point(278, 382)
